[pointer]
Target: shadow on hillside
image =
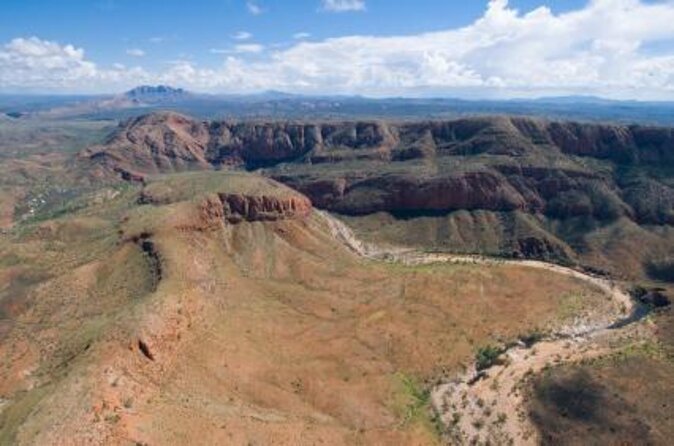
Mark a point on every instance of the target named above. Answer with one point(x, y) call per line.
point(572, 407)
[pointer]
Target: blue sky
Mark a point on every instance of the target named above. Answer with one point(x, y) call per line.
point(116, 42)
point(107, 28)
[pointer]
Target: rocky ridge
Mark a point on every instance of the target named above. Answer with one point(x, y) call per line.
point(499, 164)
point(558, 180)
point(228, 197)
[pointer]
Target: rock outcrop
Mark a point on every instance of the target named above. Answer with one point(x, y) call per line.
point(578, 175)
point(237, 208)
point(170, 141)
point(230, 197)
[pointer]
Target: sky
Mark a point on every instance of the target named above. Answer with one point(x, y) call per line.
point(621, 49)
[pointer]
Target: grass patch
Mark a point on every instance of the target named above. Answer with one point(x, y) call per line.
point(417, 398)
point(649, 349)
point(414, 405)
point(571, 304)
point(13, 416)
point(10, 259)
point(64, 209)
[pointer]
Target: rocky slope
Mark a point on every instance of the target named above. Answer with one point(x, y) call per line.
point(152, 317)
point(544, 186)
point(164, 135)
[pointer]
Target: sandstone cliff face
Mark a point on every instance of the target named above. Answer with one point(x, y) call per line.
point(214, 210)
point(558, 169)
point(225, 197)
point(168, 141)
point(409, 194)
point(237, 208)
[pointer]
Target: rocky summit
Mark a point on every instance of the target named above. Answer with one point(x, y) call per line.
point(159, 93)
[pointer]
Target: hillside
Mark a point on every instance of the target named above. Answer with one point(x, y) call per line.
point(568, 192)
point(180, 278)
point(219, 305)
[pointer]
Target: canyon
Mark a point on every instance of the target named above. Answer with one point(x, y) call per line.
point(501, 186)
point(335, 282)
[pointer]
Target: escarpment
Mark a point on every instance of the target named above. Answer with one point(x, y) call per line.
point(410, 193)
point(498, 164)
point(226, 197)
point(163, 142)
point(238, 208)
point(567, 180)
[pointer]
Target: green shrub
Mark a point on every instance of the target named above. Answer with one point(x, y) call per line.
point(487, 356)
point(533, 337)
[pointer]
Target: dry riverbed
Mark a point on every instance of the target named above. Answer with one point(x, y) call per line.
point(488, 406)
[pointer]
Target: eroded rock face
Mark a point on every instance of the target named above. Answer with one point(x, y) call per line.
point(170, 141)
point(238, 208)
point(496, 164)
point(409, 194)
point(234, 208)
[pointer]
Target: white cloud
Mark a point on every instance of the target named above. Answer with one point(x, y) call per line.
point(135, 52)
point(244, 48)
point(301, 36)
point(613, 48)
point(242, 35)
point(254, 8)
point(343, 5)
point(249, 48)
point(593, 50)
point(35, 64)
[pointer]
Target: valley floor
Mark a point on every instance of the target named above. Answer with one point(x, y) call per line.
point(489, 406)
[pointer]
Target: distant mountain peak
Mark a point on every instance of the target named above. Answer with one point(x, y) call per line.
point(144, 92)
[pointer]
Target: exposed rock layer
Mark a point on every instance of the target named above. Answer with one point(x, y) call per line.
point(478, 163)
point(568, 178)
point(165, 141)
point(262, 208)
point(229, 197)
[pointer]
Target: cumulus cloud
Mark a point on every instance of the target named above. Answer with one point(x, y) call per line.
point(135, 52)
point(250, 48)
point(301, 36)
point(35, 64)
point(242, 35)
point(613, 48)
point(343, 5)
point(598, 49)
point(254, 8)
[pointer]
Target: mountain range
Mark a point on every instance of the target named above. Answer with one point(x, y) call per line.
point(560, 191)
point(280, 105)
